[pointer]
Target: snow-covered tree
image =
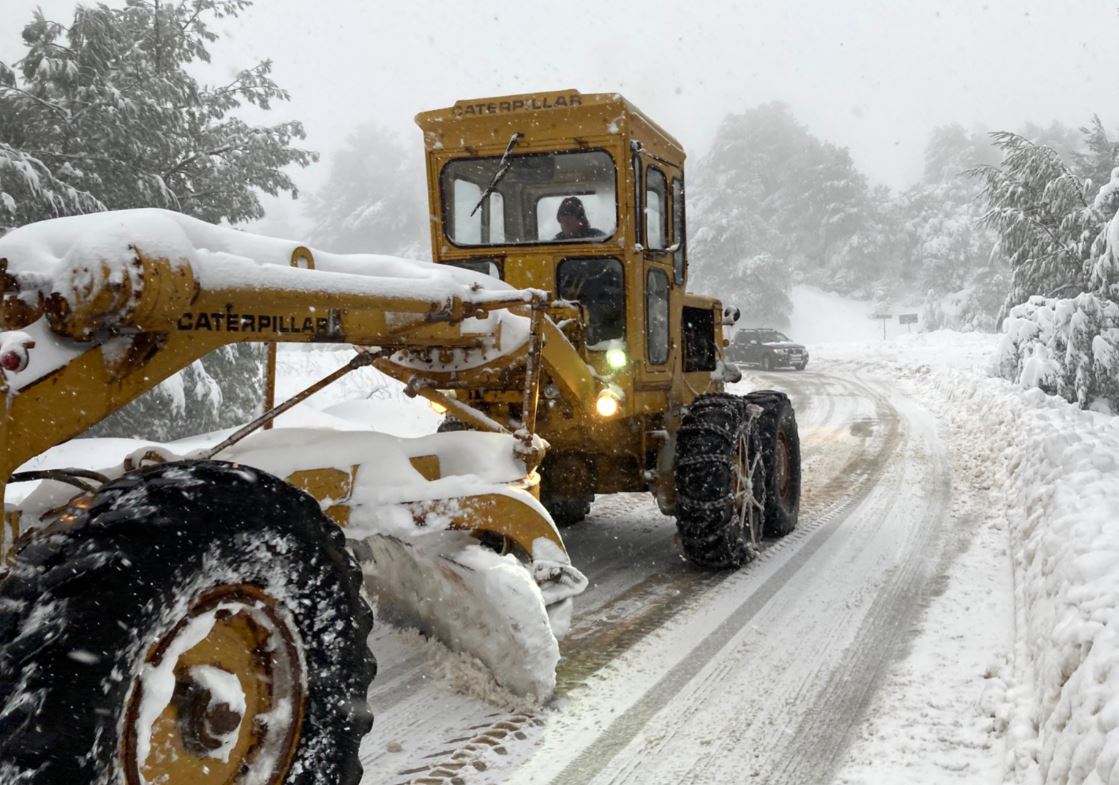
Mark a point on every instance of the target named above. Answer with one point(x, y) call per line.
point(770, 188)
point(1044, 215)
point(1096, 160)
point(1068, 227)
point(949, 257)
point(375, 199)
point(1103, 274)
point(760, 287)
point(108, 106)
point(104, 113)
point(29, 191)
point(866, 259)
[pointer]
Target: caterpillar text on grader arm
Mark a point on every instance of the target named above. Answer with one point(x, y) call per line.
point(197, 619)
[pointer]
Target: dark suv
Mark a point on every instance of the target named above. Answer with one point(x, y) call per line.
point(766, 348)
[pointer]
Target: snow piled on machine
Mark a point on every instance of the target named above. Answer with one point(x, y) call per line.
point(48, 250)
point(79, 256)
point(1058, 482)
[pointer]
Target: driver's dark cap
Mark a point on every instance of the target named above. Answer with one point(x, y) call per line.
point(571, 206)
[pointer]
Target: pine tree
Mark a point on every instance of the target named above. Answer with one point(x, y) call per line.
point(105, 114)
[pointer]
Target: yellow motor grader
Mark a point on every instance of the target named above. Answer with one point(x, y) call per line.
point(198, 616)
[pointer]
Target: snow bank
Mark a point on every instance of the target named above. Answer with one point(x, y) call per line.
point(1060, 479)
point(1066, 347)
point(1062, 491)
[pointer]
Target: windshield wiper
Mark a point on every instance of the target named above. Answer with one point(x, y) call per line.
point(503, 166)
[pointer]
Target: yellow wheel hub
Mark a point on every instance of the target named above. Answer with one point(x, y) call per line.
point(219, 698)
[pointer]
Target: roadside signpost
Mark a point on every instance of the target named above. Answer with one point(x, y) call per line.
point(907, 319)
point(885, 317)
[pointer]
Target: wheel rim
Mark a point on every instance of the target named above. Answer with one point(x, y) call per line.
point(746, 513)
point(219, 699)
point(781, 465)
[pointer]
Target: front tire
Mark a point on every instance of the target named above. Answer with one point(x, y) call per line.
point(718, 483)
point(189, 612)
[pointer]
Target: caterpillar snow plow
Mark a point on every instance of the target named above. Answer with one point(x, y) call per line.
point(199, 617)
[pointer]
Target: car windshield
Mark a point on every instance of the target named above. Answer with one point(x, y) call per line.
point(772, 336)
point(540, 198)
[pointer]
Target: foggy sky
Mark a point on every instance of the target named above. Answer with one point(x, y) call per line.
point(875, 77)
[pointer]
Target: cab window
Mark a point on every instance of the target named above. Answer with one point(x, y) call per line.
point(679, 238)
point(530, 199)
point(656, 206)
point(656, 316)
point(598, 284)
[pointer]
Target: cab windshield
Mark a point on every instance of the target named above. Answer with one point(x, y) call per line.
point(539, 198)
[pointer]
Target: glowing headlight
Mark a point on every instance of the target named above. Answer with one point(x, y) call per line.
point(608, 403)
point(616, 358)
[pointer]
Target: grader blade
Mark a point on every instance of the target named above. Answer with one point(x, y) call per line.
point(485, 575)
point(471, 599)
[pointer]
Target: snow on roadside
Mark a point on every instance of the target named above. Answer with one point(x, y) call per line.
point(1054, 479)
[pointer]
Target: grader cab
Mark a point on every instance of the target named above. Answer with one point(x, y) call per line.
point(197, 616)
point(583, 196)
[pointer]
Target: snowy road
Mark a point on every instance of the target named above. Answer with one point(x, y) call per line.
point(673, 675)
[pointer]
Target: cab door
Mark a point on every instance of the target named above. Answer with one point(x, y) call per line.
point(660, 354)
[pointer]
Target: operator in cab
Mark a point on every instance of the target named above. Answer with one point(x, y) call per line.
point(574, 225)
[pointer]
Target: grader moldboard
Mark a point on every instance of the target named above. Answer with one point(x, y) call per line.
point(194, 618)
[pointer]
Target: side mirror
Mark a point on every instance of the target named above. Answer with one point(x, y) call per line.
point(731, 315)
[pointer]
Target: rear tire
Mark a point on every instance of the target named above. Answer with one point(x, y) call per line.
point(718, 482)
point(780, 450)
point(93, 607)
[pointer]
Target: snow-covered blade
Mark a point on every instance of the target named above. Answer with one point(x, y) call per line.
point(492, 606)
point(471, 599)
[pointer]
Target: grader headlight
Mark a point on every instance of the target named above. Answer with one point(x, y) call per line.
point(609, 402)
point(616, 358)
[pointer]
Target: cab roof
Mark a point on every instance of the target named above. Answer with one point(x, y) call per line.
point(558, 115)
